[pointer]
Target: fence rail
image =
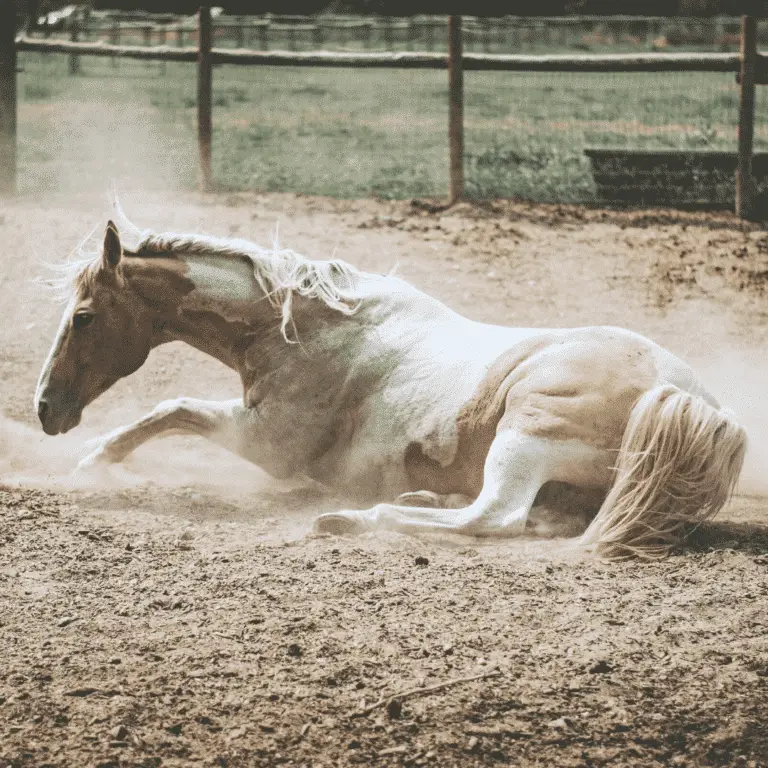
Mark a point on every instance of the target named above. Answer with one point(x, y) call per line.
point(488, 62)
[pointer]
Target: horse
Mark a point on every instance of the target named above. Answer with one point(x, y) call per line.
point(423, 419)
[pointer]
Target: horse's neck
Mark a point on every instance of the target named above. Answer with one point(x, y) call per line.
point(207, 302)
point(216, 305)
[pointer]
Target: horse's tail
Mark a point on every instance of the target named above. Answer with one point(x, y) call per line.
point(677, 466)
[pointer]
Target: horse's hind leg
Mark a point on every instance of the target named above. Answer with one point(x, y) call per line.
point(516, 467)
point(225, 423)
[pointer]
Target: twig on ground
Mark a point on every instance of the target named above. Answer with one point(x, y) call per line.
point(384, 701)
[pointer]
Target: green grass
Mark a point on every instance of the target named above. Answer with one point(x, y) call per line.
point(350, 134)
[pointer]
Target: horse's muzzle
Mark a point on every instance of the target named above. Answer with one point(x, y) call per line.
point(56, 420)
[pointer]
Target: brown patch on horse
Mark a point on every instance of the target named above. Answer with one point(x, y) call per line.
point(161, 281)
point(577, 385)
point(143, 273)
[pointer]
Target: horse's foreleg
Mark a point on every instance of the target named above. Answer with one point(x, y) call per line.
point(516, 467)
point(226, 423)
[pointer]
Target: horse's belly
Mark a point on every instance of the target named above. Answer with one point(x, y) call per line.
point(405, 436)
point(363, 474)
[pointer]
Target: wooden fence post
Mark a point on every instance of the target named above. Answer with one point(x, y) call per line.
point(74, 36)
point(7, 97)
point(114, 37)
point(745, 182)
point(204, 89)
point(455, 109)
point(388, 42)
point(164, 64)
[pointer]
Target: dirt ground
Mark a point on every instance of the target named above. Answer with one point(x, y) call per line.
point(183, 614)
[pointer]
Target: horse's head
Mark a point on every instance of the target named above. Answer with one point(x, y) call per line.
point(105, 334)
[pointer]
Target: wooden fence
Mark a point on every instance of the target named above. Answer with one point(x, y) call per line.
point(750, 68)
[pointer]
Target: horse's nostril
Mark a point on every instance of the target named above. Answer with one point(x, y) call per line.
point(42, 410)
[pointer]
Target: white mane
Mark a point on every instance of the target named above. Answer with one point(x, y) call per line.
point(281, 273)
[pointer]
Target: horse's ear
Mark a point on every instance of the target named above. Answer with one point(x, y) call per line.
point(113, 251)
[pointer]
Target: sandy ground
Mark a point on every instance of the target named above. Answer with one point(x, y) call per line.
point(185, 616)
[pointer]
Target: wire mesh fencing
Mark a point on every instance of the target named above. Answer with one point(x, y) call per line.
point(527, 134)
point(338, 32)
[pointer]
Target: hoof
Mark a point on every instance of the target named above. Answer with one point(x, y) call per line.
point(337, 524)
point(97, 467)
point(91, 473)
point(94, 462)
point(419, 499)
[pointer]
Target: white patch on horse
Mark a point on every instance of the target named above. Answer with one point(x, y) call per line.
point(222, 284)
point(42, 380)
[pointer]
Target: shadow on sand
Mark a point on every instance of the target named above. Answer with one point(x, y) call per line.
point(719, 535)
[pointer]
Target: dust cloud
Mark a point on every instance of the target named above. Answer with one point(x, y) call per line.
point(99, 134)
point(738, 378)
point(30, 457)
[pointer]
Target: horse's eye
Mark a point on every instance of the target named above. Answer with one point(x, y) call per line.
point(82, 320)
